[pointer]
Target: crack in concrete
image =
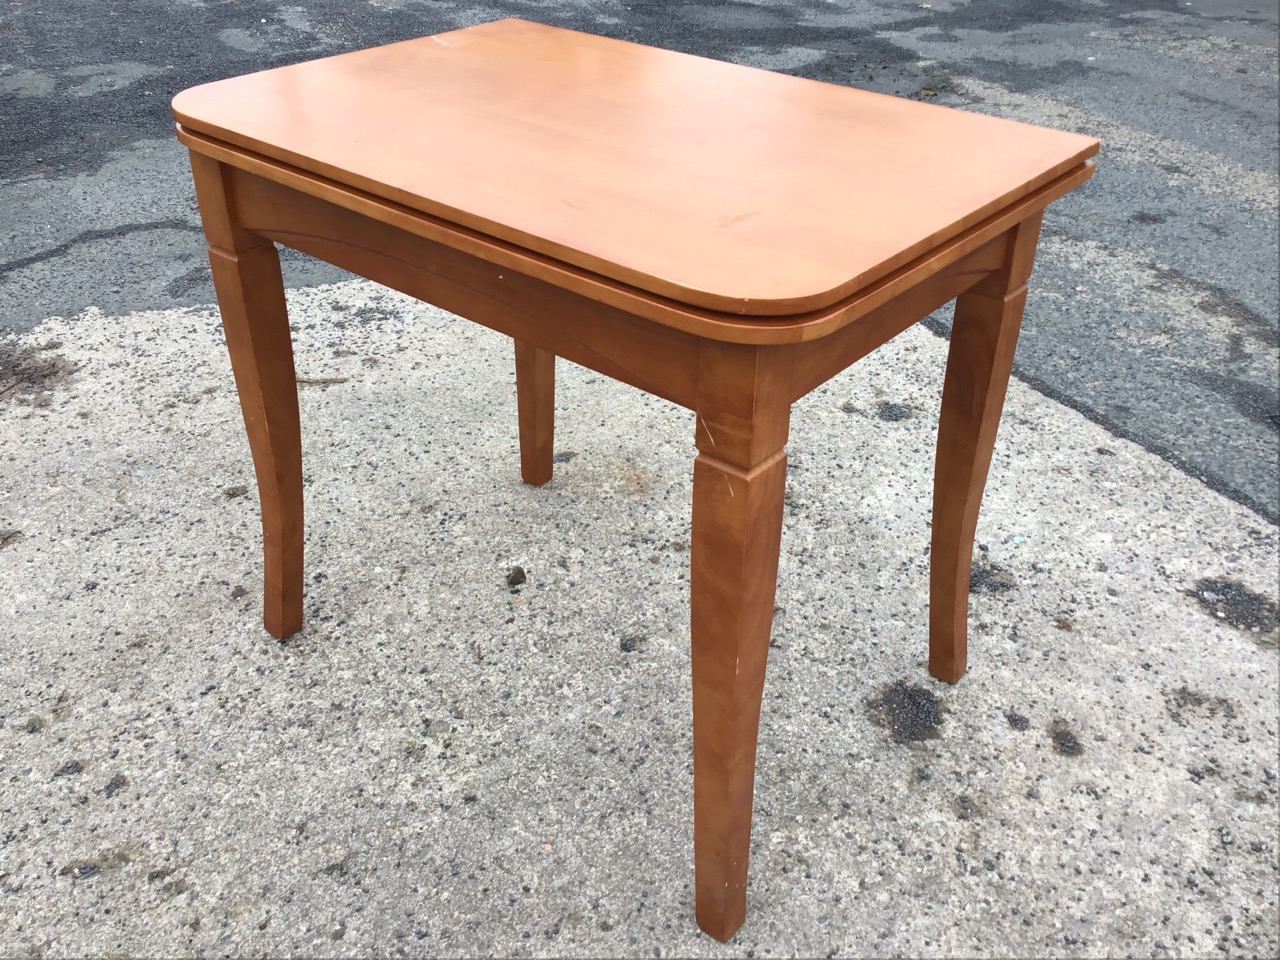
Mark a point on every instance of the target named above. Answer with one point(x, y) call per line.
point(89, 236)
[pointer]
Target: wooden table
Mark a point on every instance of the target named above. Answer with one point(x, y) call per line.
point(723, 237)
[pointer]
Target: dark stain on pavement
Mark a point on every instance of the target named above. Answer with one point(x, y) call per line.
point(1185, 704)
point(1220, 303)
point(91, 236)
point(115, 785)
point(195, 278)
point(1017, 720)
point(908, 712)
point(1065, 740)
point(894, 411)
point(632, 643)
point(91, 866)
point(1234, 603)
point(1254, 401)
point(29, 374)
point(989, 577)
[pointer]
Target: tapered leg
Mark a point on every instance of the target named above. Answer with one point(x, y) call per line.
point(246, 278)
point(738, 481)
point(536, 410)
point(983, 338)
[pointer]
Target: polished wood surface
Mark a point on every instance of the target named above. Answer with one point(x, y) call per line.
point(984, 334)
point(536, 411)
point(262, 209)
point(250, 289)
point(711, 184)
point(714, 235)
point(656, 358)
point(743, 415)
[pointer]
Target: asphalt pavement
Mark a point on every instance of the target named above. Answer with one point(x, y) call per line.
point(1155, 302)
point(442, 764)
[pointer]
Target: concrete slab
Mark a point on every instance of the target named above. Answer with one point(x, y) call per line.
point(441, 764)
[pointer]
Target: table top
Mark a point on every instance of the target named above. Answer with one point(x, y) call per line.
point(716, 185)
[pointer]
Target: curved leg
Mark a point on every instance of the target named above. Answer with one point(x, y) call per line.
point(246, 277)
point(536, 410)
point(983, 338)
point(738, 479)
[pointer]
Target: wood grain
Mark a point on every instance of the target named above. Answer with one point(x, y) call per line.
point(984, 335)
point(250, 290)
point(817, 361)
point(708, 183)
point(743, 416)
point(731, 328)
point(656, 358)
point(722, 237)
point(536, 411)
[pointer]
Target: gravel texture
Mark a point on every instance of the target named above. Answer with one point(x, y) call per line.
point(451, 760)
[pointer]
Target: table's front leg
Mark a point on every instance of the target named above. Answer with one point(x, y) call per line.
point(250, 290)
point(743, 414)
point(983, 337)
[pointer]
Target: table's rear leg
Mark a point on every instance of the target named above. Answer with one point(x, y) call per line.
point(983, 337)
point(738, 479)
point(246, 277)
point(536, 411)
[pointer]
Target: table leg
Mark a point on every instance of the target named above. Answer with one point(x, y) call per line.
point(738, 478)
point(536, 411)
point(250, 290)
point(983, 337)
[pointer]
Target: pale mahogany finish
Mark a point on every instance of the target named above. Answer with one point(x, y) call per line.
point(723, 237)
point(536, 409)
point(716, 185)
point(984, 334)
point(744, 412)
point(705, 323)
point(246, 276)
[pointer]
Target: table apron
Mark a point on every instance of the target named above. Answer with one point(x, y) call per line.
point(655, 358)
point(814, 362)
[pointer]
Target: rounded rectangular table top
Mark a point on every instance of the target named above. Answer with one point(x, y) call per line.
point(716, 185)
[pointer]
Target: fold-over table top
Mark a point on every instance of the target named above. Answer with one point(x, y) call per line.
point(715, 185)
